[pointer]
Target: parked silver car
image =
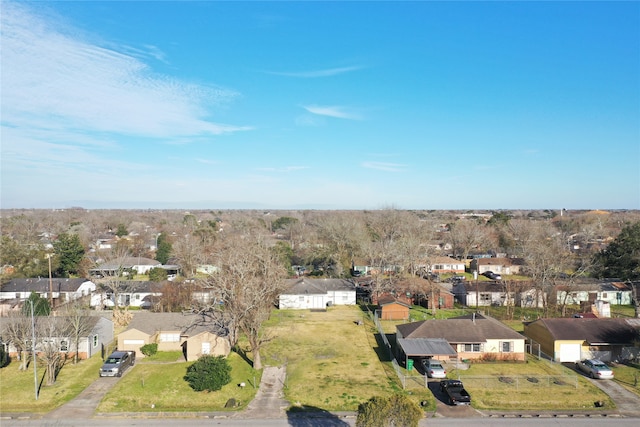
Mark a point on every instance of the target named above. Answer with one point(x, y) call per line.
point(433, 368)
point(595, 369)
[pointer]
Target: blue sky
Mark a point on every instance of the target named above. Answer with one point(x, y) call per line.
point(320, 105)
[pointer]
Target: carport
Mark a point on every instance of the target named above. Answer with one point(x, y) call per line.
point(425, 347)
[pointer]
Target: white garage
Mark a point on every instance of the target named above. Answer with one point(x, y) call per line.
point(569, 353)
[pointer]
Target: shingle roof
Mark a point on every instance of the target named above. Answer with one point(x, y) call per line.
point(42, 285)
point(188, 324)
point(594, 331)
point(459, 330)
point(316, 286)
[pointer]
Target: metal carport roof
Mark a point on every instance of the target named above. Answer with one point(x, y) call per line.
point(426, 347)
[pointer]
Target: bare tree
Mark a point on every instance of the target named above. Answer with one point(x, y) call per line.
point(190, 252)
point(51, 331)
point(249, 281)
point(18, 330)
point(465, 235)
point(115, 282)
point(77, 325)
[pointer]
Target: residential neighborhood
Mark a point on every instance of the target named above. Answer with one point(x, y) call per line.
point(420, 306)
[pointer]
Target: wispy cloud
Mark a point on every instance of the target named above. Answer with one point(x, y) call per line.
point(316, 73)
point(55, 81)
point(335, 111)
point(382, 166)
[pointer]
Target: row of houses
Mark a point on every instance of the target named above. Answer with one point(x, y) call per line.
point(477, 336)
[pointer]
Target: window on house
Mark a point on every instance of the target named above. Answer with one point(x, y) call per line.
point(64, 345)
point(604, 295)
point(472, 348)
point(485, 297)
point(438, 267)
point(17, 295)
point(506, 346)
point(95, 341)
point(301, 298)
point(170, 337)
point(137, 296)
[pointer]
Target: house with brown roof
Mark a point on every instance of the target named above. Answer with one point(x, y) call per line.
point(194, 334)
point(573, 339)
point(472, 336)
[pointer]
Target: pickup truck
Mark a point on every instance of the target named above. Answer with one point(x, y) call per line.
point(455, 392)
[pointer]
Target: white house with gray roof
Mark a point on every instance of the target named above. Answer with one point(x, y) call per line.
point(307, 293)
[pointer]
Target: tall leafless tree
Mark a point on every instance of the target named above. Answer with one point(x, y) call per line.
point(248, 283)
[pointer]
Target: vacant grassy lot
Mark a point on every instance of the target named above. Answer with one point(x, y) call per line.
point(332, 363)
point(534, 385)
point(159, 386)
point(17, 388)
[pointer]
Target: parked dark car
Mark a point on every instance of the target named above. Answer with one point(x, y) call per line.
point(491, 275)
point(455, 392)
point(117, 363)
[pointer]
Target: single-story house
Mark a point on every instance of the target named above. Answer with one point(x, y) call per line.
point(193, 334)
point(419, 291)
point(443, 264)
point(573, 339)
point(472, 336)
point(307, 293)
point(506, 266)
point(100, 332)
point(484, 294)
point(61, 290)
point(132, 293)
point(615, 293)
point(139, 265)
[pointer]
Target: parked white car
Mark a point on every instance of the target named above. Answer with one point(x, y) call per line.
point(433, 368)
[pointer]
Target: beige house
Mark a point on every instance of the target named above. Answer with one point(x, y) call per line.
point(193, 334)
point(472, 336)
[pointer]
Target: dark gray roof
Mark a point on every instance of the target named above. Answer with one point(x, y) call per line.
point(42, 285)
point(594, 331)
point(426, 347)
point(459, 330)
point(316, 286)
point(188, 323)
point(127, 262)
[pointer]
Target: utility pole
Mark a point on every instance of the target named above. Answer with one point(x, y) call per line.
point(33, 351)
point(50, 283)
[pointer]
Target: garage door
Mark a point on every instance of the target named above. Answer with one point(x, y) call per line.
point(569, 352)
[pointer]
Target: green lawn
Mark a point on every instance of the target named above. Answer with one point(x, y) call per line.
point(157, 386)
point(333, 363)
point(628, 376)
point(535, 385)
point(17, 388)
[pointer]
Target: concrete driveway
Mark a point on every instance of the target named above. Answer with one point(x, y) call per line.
point(627, 403)
point(85, 404)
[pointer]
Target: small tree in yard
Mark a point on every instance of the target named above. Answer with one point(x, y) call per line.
point(393, 411)
point(209, 373)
